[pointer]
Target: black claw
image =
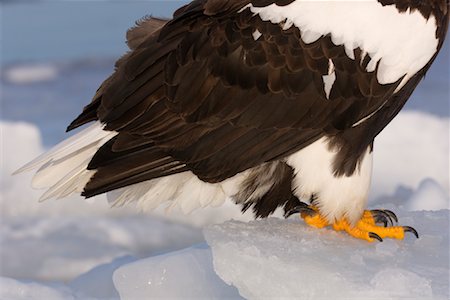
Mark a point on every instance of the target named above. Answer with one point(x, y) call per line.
point(410, 229)
point(373, 235)
point(391, 214)
point(382, 217)
point(303, 208)
point(289, 213)
point(389, 218)
point(387, 214)
point(379, 219)
point(382, 220)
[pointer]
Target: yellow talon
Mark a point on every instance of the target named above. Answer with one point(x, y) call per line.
point(343, 225)
point(396, 232)
point(316, 221)
point(362, 230)
point(368, 218)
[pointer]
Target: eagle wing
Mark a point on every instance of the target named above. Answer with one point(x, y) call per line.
point(217, 91)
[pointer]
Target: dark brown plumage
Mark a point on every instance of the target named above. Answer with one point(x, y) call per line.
point(200, 93)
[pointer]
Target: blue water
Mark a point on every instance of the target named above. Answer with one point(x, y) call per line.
point(83, 39)
point(68, 30)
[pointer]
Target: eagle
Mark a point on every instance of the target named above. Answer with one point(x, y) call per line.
point(272, 103)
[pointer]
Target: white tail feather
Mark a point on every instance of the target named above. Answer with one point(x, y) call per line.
point(93, 133)
point(72, 182)
point(51, 172)
point(63, 169)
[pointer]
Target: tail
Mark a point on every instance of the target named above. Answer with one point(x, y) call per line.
point(63, 169)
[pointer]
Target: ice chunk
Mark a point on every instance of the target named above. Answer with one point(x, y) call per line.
point(12, 289)
point(277, 258)
point(185, 274)
point(97, 283)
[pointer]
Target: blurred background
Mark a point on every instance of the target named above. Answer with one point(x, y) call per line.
point(54, 55)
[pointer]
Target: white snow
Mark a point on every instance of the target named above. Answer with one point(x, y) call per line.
point(12, 289)
point(27, 74)
point(414, 146)
point(277, 258)
point(428, 196)
point(65, 247)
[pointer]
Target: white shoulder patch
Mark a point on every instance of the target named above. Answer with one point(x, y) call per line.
point(329, 79)
point(256, 34)
point(402, 43)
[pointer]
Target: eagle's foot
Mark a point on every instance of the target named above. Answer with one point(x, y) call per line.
point(366, 228)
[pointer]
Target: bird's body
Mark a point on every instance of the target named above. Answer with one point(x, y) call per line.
point(263, 101)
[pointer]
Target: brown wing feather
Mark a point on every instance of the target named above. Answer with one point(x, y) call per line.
point(144, 28)
point(201, 94)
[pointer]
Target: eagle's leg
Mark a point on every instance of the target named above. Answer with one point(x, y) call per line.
point(366, 228)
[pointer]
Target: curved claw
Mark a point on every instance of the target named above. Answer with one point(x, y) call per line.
point(385, 222)
point(291, 212)
point(301, 209)
point(391, 214)
point(410, 229)
point(384, 216)
point(375, 236)
point(382, 219)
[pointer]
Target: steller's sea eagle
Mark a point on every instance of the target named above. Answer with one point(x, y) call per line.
point(264, 101)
